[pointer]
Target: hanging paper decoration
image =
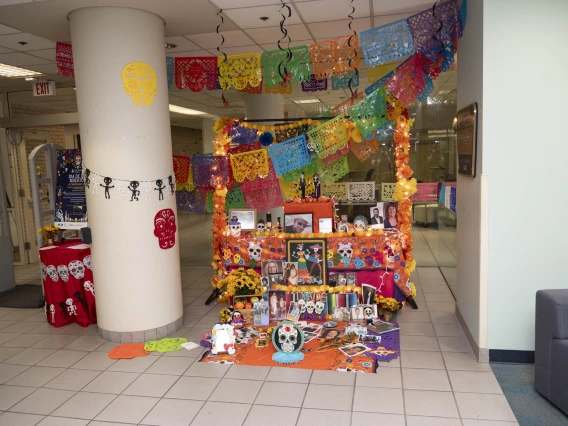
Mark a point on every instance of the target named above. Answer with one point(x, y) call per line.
point(182, 171)
point(196, 73)
point(244, 148)
point(289, 155)
point(64, 59)
point(210, 171)
point(337, 190)
point(268, 198)
point(346, 104)
point(376, 73)
point(285, 134)
point(238, 71)
point(252, 90)
point(235, 199)
point(332, 158)
point(310, 169)
point(192, 201)
point(249, 165)
point(332, 56)
point(170, 70)
point(329, 173)
point(329, 137)
point(139, 81)
point(293, 189)
point(370, 113)
point(379, 83)
point(408, 81)
point(364, 149)
point(427, 90)
point(387, 43)
point(314, 84)
point(279, 90)
point(243, 135)
point(298, 67)
point(261, 181)
point(341, 81)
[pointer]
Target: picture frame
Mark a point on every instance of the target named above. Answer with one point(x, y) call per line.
point(368, 294)
point(269, 267)
point(377, 216)
point(290, 273)
point(325, 225)
point(277, 305)
point(357, 313)
point(341, 313)
point(293, 312)
point(386, 207)
point(299, 223)
point(311, 256)
point(246, 217)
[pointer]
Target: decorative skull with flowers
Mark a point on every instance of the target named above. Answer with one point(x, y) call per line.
point(287, 337)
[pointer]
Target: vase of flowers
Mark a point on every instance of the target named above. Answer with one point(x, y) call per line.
point(387, 305)
point(49, 233)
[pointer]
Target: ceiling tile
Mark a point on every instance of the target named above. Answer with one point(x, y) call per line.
point(45, 68)
point(45, 54)
point(273, 34)
point(212, 40)
point(189, 53)
point(386, 7)
point(237, 4)
point(11, 41)
point(7, 30)
point(326, 30)
point(20, 59)
point(4, 50)
point(250, 17)
point(237, 50)
point(387, 19)
point(332, 10)
point(274, 46)
point(182, 43)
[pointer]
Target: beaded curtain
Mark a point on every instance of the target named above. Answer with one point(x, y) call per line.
point(337, 190)
point(64, 59)
point(293, 190)
point(408, 82)
point(170, 70)
point(196, 73)
point(298, 67)
point(330, 173)
point(243, 135)
point(314, 84)
point(370, 113)
point(376, 73)
point(364, 149)
point(289, 155)
point(329, 137)
point(333, 56)
point(387, 43)
point(238, 71)
point(341, 81)
point(210, 171)
point(249, 165)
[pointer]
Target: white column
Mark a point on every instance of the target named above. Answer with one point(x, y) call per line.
point(208, 135)
point(138, 284)
point(261, 107)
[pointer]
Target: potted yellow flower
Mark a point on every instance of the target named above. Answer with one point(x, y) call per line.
point(387, 305)
point(49, 233)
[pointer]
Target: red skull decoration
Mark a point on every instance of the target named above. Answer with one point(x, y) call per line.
point(165, 228)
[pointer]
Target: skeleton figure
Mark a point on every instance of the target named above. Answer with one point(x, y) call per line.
point(52, 312)
point(235, 228)
point(260, 225)
point(87, 262)
point(172, 184)
point(317, 185)
point(89, 286)
point(133, 189)
point(302, 305)
point(303, 185)
point(63, 273)
point(254, 249)
point(77, 269)
point(345, 250)
point(87, 177)
point(160, 189)
point(52, 272)
point(287, 337)
point(320, 306)
point(369, 317)
point(310, 306)
point(71, 308)
point(107, 186)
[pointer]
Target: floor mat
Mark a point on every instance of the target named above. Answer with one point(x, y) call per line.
point(24, 296)
point(530, 408)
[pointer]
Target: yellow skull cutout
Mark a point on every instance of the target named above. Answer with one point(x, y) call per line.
point(139, 80)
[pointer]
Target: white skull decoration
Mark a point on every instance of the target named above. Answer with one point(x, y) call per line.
point(89, 286)
point(87, 262)
point(43, 272)
point(287, 337)
point(77, 269)
point(254, 249)
point(235, 229)
point(368, 312)
point(260, 226)
point(360, 223)
point(310, 306)
point(320, 306)
point(52, 272)
point(302, 305)
point(345, 250)
point(63, 273)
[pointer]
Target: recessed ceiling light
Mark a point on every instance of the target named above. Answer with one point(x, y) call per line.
point(307, 101)
point(10, 71)
point(185, 111)
point(31, 79)
point(170, 45)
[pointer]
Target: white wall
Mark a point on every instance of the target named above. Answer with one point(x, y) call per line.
point(208, 135)
point(525, 88)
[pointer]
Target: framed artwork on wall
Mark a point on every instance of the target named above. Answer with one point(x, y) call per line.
point(311, 255)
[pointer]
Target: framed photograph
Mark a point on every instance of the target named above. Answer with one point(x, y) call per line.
point(290, 272)
point(265, 282)
point(308, 337)
point(354, 349)
point(332, 279)
point(293, 312)
point(368, 294)
point(331, 333)
point(369, 338)
point(357, 313)
point(269, 267)
point(341, 313)
point(351, 278)
point(246, 217)
point(341, 278)
point(376, 216)
point(390, 211)
point(325, 225)
point(382, 327)
point(310, 254)
point(260, 313)
point(299, 223)
point(275, 279)
point(277, 305)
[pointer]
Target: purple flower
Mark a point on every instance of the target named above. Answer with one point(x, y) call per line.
point(369, 260)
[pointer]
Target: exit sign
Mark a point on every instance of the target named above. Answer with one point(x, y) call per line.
point(44, 88)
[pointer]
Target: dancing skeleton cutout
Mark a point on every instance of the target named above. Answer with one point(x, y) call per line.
point(107, 186)
point(160, 188)
point(133, 187)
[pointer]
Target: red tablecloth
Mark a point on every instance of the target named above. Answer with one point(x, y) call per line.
point(67, 278)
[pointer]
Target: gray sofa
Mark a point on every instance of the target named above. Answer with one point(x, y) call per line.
point(551, 346)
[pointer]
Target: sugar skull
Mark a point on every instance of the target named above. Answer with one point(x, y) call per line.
point(360, 223)
point(52, 272)
point(77, 269)
point(90, 287)
point(63, 273)
point(320, 306)
point(302, 305)
point(287, 337)
point(310, 306)
point(345, 250)
point(43, 272)
point(78, 160)
point(260, 226)
point(165, 228)
point(87, 262)
point(254, 249)
point(235, 228)
point(139, 81)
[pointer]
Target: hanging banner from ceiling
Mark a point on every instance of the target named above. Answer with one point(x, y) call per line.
point(70, 200)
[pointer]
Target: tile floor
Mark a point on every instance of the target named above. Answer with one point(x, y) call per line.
point(63, 377)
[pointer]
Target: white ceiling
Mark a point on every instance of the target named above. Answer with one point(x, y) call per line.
point(190, 24)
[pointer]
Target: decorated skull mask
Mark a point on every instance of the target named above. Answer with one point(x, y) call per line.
point(260, 226)
point(235, 228)
point(77, 269)
point(254, 249)
point(87, 262)
point(52, 272)
point(345, 250)
point(302, 305)
point(310, 306)
point(63, 273)
point(165, 228)
point(139, 81)
point(360, 223)
point(287, 337)
point(320, 306)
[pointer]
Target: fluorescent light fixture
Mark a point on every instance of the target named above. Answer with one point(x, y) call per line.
point(307, 101)
point(185, 111)
point(10, 71)
point(31, 79)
